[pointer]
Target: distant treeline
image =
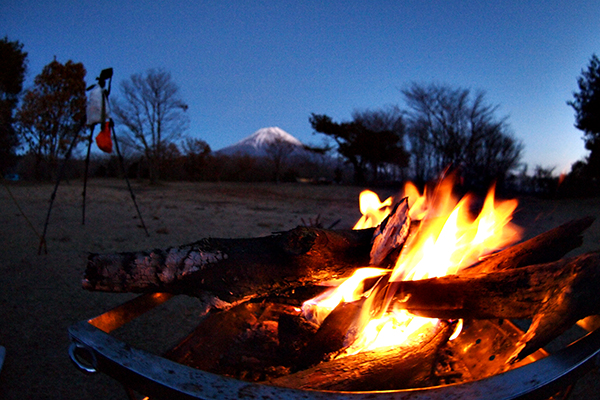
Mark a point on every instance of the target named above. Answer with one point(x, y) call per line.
point(212, 167)
point(193, 167)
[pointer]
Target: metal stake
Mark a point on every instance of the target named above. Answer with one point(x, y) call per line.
point(127, 180)
point(85, 174)
point(60, 175)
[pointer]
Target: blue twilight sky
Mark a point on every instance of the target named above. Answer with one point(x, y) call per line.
point(245, 65)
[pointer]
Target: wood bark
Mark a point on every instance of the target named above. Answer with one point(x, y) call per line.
point(406, 366)
point(556, 295)
point(234, 269)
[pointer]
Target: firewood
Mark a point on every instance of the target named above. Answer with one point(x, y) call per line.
point(341, 327)
point(390, 235)
point(405, 366)
point(333, 335)
point(219, 330)
point(234, 269)
point(546, 247)
point(555, 294)
point(242, 342)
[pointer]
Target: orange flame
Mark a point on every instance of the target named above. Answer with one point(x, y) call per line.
point(416, 202)
point(373, 210)
point(448, 240)
point(317, 308)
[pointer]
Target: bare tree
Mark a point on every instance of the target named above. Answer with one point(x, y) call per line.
point(154, 114)
point(277, 151)
point(450, 127)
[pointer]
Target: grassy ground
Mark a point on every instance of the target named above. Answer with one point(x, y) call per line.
point(41, 296)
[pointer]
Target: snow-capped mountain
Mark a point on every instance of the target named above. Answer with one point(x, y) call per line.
point(255, 144)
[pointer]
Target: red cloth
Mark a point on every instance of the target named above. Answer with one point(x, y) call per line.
point(103, 140)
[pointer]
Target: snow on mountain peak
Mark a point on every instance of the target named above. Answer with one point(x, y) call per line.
point(265, 136)
point(256, 144)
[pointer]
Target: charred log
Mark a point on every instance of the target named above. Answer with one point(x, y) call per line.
point(205, 346)
point(234, 269)
point(556, 295)
point(333, 335)
point(406, 366)
point(247, 341)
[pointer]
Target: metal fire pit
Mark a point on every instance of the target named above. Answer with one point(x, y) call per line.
point(486, 347)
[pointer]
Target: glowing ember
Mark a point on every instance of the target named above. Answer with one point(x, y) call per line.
point(447, 240)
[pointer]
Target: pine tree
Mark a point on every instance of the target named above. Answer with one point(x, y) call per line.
point(586, 104)
point(12, 73)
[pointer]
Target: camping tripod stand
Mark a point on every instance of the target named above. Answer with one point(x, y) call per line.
point(87, 162)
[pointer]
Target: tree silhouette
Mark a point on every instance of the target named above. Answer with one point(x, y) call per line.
point(52, 114)
point(196, 152)
point(12, 74)
point(153, 112)
point(388, 129)
point(586, 104)
point(449, 127)
point(370, 142)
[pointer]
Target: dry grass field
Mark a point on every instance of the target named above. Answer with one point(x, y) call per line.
point(41, 295)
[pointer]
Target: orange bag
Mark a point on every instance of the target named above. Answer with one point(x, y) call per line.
point(103, 140)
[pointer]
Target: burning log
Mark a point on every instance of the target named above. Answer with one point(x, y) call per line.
point(406, 366)
point(255, 343)
point(332, 335)
point(342, 325)
point(556, 295)
point(390, 235)
point(234, 269)
point(546, 247)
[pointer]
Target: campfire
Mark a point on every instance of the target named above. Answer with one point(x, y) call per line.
point(445, 241)
point(401, 301)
